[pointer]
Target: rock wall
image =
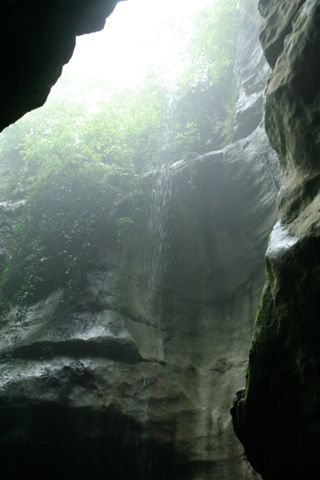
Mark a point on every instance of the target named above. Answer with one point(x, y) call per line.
point(36, 39)
point(135, 380)
point(282, 430)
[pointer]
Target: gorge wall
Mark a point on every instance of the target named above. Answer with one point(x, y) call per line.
point(282, 428)
point(135, 379)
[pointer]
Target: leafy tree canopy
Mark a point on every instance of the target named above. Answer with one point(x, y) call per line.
point(72, 161)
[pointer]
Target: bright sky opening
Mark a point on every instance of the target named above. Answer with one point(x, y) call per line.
point(140, 35)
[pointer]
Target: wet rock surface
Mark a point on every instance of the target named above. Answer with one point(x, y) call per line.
point(154, 350)
point(134, 377)
point(251, 70)
point(148, 357)
point(279, 18)
point(282, 404)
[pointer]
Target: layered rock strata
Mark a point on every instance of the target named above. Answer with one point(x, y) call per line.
point(146, 362)
point(135, 379)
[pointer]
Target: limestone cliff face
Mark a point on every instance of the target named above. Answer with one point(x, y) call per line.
point(36, 39)
point(283, 403)
point(135, 380)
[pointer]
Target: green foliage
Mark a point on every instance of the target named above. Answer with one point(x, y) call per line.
point(213, 44)
point(128, 129)
point(65, 218)
point(44, 138)
point(206, 98)
point(74, 164)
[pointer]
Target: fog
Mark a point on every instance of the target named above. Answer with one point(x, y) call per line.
point(140, 35)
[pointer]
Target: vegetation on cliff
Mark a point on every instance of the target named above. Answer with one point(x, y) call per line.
point(73, 162)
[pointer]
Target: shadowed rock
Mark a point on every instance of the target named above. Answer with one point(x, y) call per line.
point(133, 378)
point(36, 39)
point(283, 398)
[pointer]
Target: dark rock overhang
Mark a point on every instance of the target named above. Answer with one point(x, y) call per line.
point(37, 38)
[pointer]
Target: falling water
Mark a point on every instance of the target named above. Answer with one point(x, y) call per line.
point(157, 228)
point(160, 212)
point(157, 253)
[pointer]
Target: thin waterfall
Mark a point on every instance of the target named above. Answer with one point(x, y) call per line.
point(157, 253)
point(160, 209)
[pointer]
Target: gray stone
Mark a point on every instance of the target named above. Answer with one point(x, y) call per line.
point(137, 375)
point(282, 428)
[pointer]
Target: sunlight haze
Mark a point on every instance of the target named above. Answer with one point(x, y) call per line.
point(139, 35)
